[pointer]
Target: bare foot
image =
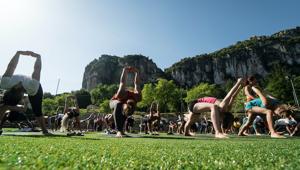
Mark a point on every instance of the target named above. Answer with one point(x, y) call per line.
point(221, 136)
point(242, 134)
point(119, 135)
point(275, 135)
point(258, 134)
point(188, 134)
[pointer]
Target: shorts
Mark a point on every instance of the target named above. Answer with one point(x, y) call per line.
point(254, 103)
point(258, 103)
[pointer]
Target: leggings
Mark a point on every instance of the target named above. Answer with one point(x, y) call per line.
point(119, 117)
point(36, 102)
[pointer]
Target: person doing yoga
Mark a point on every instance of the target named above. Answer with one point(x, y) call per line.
point(124, 101)
point(216, 108)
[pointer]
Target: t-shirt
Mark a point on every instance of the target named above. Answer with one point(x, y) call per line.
point(30, 85)
point(282, 122)
point(258, 119)
point(129, 95)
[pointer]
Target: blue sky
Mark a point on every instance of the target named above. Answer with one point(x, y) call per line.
point(71, 33)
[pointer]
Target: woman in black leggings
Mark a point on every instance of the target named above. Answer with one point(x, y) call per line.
point(17, 85)
point(124, 101)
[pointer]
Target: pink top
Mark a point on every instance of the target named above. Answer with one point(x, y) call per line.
point(207, 100)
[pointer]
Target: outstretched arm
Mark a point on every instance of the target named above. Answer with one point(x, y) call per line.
point(247, 93)
point(261, 95)
point(151, 109)
point(66, 104)
point(12, 65)
point(137, 89)
point(37, 67)
point(15, 60)
point(122, 82)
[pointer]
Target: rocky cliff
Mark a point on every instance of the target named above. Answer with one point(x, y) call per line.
point(107, 70)
point(255, 56)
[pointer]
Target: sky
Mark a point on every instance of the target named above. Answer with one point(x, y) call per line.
point(69, 34)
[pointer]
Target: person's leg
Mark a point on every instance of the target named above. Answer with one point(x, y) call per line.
point(246, 123)
point(3, 109)
point(119, 118)
point(77, 123)
point(188, 124)
point(230, 95)
point(64, 123)
point(295, 130)
point(2, 119)
point(150, 127)
point(36, 103)
point(215, 116)
point(254, 125)
point(268, 114)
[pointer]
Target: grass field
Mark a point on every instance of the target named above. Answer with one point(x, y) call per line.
point(99, 151)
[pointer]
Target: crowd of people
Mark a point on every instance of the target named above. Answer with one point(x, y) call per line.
point(22, 93)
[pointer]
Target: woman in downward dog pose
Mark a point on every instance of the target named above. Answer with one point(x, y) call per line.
point(17, 85)
point(69, 113)
point(216, 108)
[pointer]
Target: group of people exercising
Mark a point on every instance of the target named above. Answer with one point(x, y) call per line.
point(124, 101)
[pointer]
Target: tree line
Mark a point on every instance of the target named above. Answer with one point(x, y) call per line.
point(172, 98)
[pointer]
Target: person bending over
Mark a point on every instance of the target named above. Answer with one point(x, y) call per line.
point(216, 108)
point(266, 105)
point(124, 101)
point(71, 112)
point(153, 118)
point(17, 85)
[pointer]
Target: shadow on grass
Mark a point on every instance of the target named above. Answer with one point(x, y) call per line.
point(53, 136)
point(179, 137)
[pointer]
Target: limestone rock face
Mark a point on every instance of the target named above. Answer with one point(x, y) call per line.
point(255, 56)
point(107, 70)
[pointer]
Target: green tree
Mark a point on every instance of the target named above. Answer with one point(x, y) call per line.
point(148, 94)
point(278, 86)
point(103, 92)
point(104, 107)
point(48, 95)
point(61, 99)
point(239, 102)
point(49, 106)
point(166, 94)
point(83, 98)
point(176, 102)
point(203, 90)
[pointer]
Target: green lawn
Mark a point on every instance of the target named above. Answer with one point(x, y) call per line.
point(98, 151)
